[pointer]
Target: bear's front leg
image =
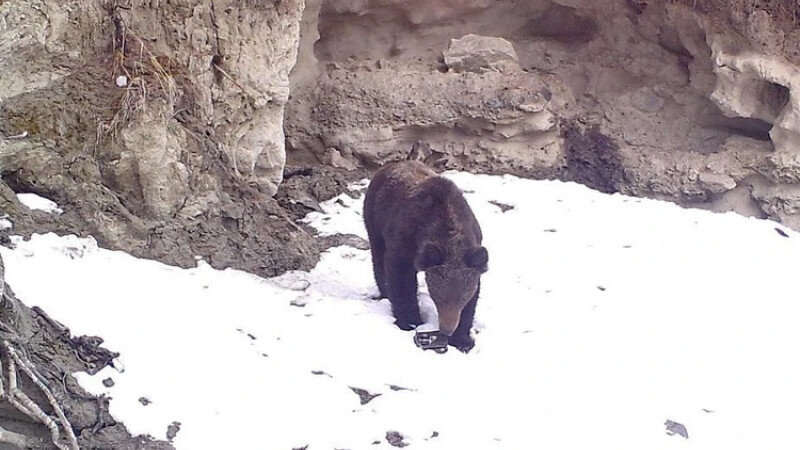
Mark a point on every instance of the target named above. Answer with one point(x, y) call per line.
point(461, 338)
point(401, 281)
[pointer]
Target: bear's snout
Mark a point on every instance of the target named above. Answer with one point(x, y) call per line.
point(448, 319)
point(451, 288)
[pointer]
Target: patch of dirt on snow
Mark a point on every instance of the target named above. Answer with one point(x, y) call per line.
point(395, 439)
point(364, 395)
point(304, 187)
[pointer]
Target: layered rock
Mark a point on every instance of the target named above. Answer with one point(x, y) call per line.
point(157, 126)
point(692, 102)
point(767, 88)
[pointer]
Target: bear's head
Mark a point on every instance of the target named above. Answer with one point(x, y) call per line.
point(452, 276)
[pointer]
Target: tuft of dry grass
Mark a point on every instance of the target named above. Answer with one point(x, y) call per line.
point(148, 76)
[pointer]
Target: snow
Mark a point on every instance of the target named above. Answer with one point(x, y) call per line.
point(33, 201)
point(601, 318)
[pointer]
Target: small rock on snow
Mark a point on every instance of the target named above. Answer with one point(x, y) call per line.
point(172, 430)
point(674, 428)
point(395, 439)
point(364, 395)
point(503, 206)
point(395, 387)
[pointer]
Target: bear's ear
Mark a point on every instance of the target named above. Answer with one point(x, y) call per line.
point(477, 258)
point(430, 255)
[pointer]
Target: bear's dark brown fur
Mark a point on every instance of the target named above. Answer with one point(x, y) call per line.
point(416, 221)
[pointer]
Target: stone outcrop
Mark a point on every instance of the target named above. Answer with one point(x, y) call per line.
point(765, 87)
point(487, 108)
point(688, 101)
point(473, 53)
point(157, 126)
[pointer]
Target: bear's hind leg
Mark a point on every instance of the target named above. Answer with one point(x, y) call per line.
point(378, 249)
point(402, 285)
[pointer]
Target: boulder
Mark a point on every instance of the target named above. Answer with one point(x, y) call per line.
point(473, 53)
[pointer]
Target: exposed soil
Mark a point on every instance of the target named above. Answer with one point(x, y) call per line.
point(304, 187)
point(246, 230)
point(249, 233)
point(364, 396)
point(593, 158)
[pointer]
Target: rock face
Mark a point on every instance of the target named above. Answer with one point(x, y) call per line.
point(157, 126)
point(689, 101)
point(766, 88)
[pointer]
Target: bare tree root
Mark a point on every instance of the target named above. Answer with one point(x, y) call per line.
point(12, 359)
point(17, 398)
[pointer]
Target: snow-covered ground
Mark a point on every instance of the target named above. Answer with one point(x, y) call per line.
point(33, 201)
point(601, 318)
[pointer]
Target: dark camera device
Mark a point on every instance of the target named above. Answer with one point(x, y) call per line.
point(431, 340)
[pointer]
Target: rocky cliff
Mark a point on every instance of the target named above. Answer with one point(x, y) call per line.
point(158, 126)
point(689, 101)
point(163, 128)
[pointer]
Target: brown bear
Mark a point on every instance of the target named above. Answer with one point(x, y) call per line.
point(417, 220)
